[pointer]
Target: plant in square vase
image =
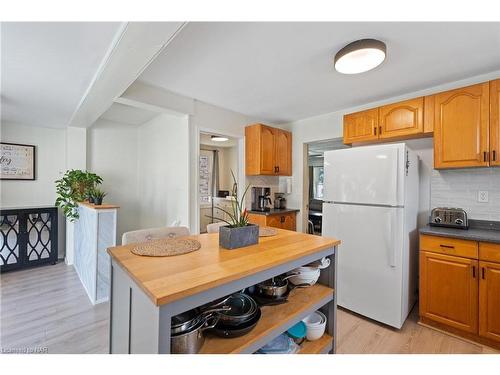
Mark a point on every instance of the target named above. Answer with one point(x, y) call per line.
point(238, 232)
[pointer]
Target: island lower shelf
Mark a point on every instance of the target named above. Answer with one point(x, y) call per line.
point(275, 320)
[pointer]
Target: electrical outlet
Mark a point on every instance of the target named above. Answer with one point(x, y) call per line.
point(482, 196)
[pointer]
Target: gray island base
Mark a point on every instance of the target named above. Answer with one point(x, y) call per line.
point(139, 325)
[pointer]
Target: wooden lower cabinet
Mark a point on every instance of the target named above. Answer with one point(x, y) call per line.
point(449, 290)
point(460, 287)
point(489, 300)
point(283, 221)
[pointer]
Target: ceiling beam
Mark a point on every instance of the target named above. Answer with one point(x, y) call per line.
point(156, 99)
point(136, 45)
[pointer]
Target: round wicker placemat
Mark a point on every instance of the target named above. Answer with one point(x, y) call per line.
point(267, 232)
point(166, 247)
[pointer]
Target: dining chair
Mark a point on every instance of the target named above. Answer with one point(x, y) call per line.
point(214, 227)
point(151, 234)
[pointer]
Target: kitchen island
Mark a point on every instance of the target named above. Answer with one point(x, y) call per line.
point(147, 291)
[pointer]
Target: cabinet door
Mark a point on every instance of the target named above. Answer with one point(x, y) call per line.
point(495, 122)
point(361, 126)
point(289, 222)
point(489, 300)
point(283, 141)
point(274, 221)
point(461, 127)
point(449, 290)
point(267, 151)
point(402, 119)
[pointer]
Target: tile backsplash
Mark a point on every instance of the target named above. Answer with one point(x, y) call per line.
point(460, 188)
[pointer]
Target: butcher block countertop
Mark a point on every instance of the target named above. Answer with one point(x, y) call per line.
point(167, 279)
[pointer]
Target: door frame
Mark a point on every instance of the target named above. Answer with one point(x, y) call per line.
point(194, 204)
point(339, 142)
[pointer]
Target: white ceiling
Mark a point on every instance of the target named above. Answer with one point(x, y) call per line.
point(46, 68)
point(283, 71)
point(129, 115)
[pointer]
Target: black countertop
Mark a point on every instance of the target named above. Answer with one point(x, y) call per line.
point(274, 211)
point(479, 230)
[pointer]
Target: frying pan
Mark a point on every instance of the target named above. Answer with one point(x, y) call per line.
point(228, 331)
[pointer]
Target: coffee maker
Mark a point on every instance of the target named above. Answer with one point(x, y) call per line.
point(261, 197)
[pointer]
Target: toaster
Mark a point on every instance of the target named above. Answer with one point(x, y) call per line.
point(449, 217)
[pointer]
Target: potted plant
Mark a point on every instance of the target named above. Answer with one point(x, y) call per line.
point(238, 232)
point(97, 196)
point(72, 188)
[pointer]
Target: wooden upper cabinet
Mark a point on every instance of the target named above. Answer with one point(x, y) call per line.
point(268, 151)
point(495, 122)
point(461, 127)
point(361, 126)
point(449, 290)
point(489, 300)
point(283, 152)
point(402, 119)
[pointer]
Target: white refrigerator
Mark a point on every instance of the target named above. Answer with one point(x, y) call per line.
point(371, 205)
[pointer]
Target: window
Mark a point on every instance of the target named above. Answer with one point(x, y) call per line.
point(318, 180)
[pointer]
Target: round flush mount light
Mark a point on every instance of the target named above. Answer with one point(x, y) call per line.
point(218, 138)
point(360, 56)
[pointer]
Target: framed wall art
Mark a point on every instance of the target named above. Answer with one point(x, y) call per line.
point(17, 161)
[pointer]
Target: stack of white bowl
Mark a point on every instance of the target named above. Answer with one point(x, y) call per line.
point(309, 274)
point(315, 325)
point(305, 275)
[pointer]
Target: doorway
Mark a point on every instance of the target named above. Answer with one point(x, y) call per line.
point(314, 171)
point(218, 161)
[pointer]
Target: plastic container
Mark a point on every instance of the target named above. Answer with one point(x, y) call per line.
point(298, 332)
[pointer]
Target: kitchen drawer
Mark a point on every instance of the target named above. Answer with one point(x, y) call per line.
point(489, 252)
point(449, 246)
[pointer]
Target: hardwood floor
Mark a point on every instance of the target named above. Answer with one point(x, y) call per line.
point(47, 307)
point(359, 335)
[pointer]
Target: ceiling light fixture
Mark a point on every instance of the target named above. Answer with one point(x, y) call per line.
point(219, 138)
point(360, 56)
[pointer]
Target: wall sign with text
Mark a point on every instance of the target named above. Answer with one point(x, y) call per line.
point(17, 162)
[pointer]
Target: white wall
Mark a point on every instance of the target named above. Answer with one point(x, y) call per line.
point(113, 154)
point(163, 174)
point(330, 125)
point(50, 164)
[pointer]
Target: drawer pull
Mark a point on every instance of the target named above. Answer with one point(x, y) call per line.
point(482, 273)
point(473, 272)
point(447, 246)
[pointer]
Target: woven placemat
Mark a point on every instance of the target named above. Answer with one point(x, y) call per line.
point(166, 247)
point(267, 232)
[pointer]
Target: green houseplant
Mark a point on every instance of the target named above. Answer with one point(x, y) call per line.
point(97, 196)
point(238, 232)
point(75, 186)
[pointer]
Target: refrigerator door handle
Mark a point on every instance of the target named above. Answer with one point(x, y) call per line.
point(393, 240)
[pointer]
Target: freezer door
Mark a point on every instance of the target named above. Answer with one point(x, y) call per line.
point(366, 175)
point(370, 259)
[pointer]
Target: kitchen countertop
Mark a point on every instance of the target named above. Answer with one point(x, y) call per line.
point(167, 279)
point(275, 211)
point(479, 230)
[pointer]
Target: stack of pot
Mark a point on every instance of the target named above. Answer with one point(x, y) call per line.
point(234, 316)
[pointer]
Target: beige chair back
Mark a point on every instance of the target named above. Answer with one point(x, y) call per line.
point(214, 227)
point(144, 235)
